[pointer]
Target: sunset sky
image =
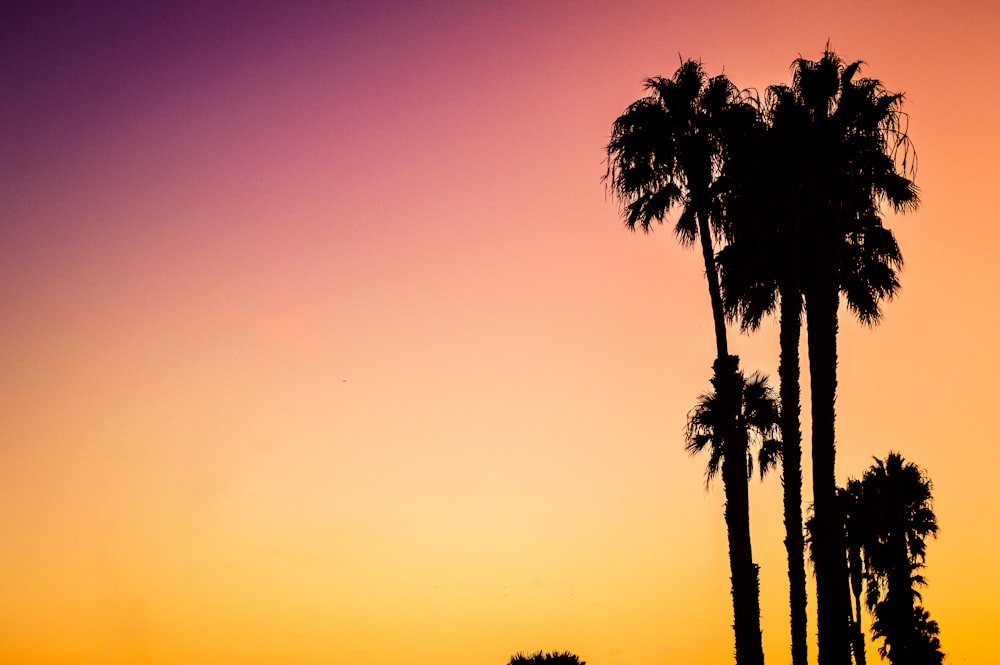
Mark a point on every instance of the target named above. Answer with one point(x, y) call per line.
point(323, 343)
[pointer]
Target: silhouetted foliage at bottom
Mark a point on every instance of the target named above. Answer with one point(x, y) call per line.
point(553, 658)
point(886, 517)
point(916, 643)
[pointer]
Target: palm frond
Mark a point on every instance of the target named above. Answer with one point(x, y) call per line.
point(757, 422)
point(769, 457)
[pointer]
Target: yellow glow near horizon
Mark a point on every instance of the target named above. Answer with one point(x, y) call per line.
point(324, 344)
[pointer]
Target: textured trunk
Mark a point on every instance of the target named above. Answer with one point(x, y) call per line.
point(714, 290)
point(743, 571)
point(860, 658)
point(791, 465)
point(854, 566)
point(728, 388)
point(832, 595)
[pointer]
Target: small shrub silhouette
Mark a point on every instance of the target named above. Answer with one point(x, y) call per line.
point(553, 658)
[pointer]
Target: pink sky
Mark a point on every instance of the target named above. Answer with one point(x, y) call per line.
point(323, 342)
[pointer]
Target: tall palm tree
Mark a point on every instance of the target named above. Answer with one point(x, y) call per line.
point(760, 269)
point(669, 149)
point(847, 143)
point(895, 517)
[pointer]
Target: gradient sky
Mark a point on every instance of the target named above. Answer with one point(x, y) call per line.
point(322, 342)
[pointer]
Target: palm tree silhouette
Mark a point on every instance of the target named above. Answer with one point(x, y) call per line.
point(895, 516)
point(756, 428)
point(761, 268)
point(669, 149)
point(849, 499)
point(886, 518)
point(845, 142)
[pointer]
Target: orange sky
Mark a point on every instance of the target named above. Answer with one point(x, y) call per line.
point(322, 342)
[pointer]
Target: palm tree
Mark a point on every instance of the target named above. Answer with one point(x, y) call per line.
point(756, 427)
point(669, 149)
point(852, 523)
point(895, 517)
point(761, 267)
point(852, 516)
point(845, 141)
point(886, 517)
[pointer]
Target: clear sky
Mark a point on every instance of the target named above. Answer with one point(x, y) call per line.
point(322, 342)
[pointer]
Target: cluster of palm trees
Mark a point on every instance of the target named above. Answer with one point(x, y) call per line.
point(785, 197)
point(887, 516)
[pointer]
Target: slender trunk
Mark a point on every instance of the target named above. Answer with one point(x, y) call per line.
point(743, 571)
point(791, 465)
point(714, 290)
point(858, 644)
point(728, 388)
point(744, 576)
point(832, 595)
point(854, 568)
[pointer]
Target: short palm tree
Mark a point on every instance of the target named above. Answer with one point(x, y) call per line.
point(895, 516)
point(886, 518)
point(756, 429)
point(669, 149)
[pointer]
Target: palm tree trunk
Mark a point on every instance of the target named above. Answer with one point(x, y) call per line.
point(714, 290)
point(743, 571)
point(744, 576)
point(832, 595)
point(791, 465)
point(859, 636)
point(856, 578)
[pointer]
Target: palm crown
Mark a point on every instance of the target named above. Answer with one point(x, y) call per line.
point(757, 427)
point(668, 148)
point(834, 152)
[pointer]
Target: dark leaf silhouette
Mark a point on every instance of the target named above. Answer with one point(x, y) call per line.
point(757, 425)
point(539, 658)
point(886, 517)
